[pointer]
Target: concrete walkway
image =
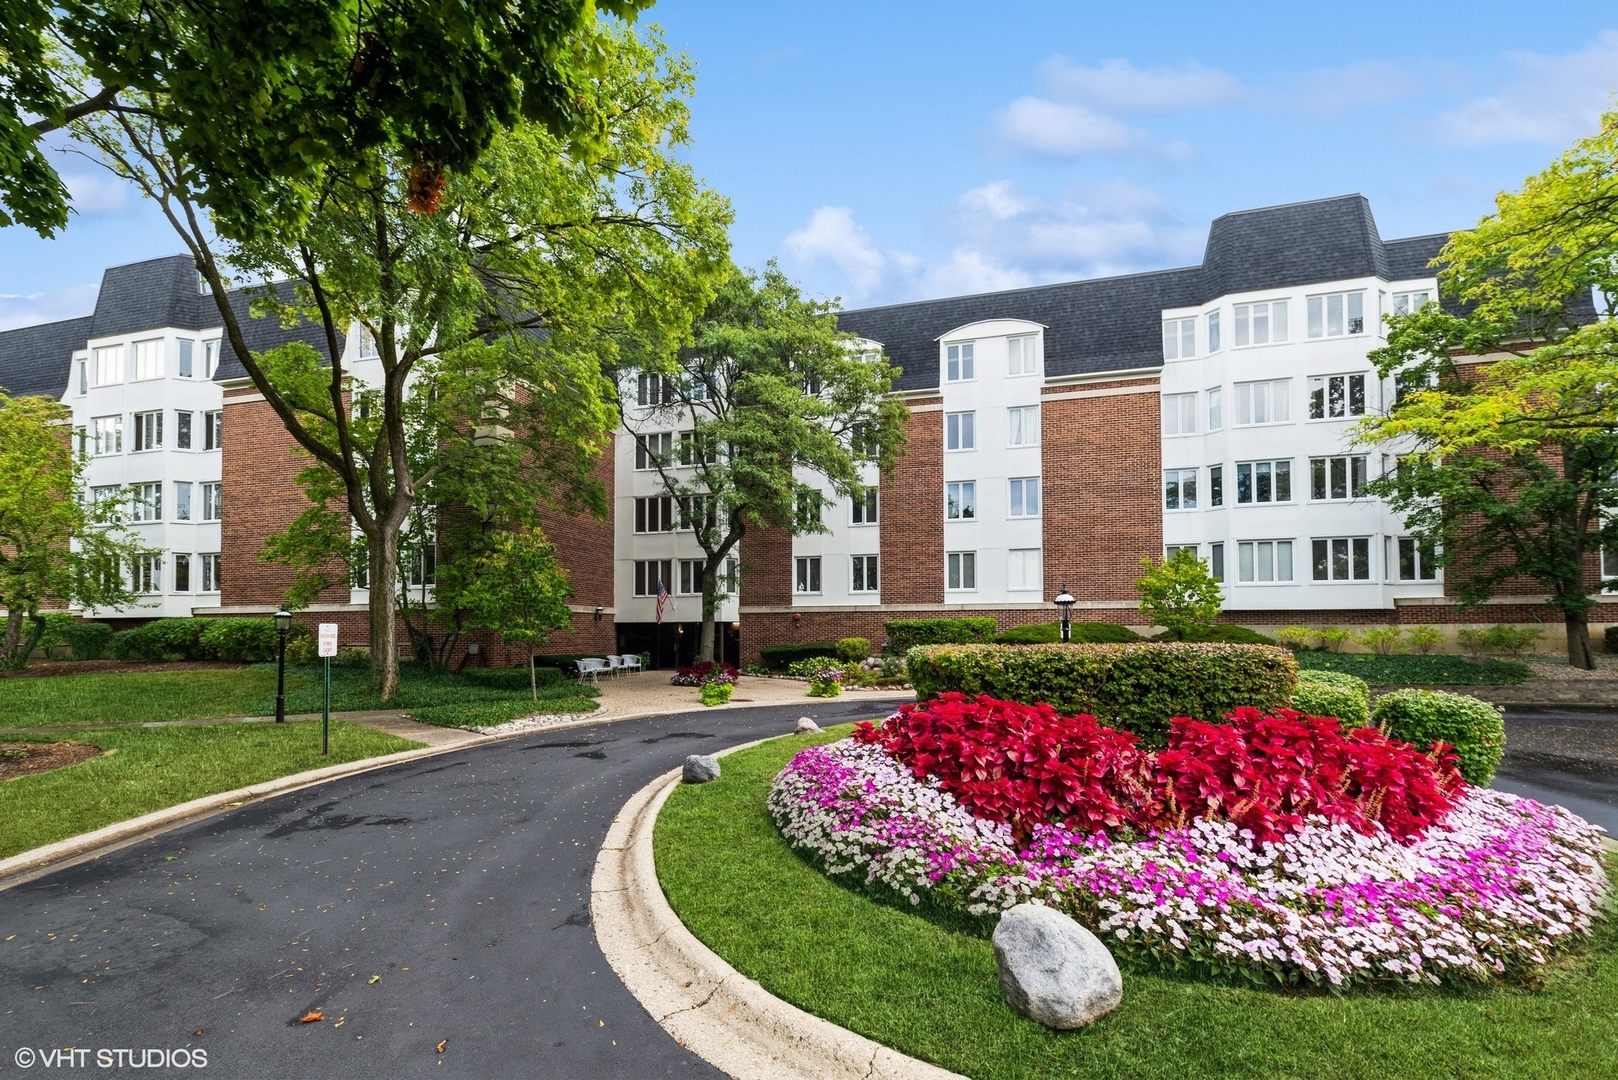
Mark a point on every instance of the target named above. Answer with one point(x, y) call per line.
point(649, 694)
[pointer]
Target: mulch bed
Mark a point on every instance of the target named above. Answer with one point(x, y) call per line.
point(46, 668)
point(25, 759)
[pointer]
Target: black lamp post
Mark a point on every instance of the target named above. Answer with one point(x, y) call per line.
point(283, 624)
point(1064, 601)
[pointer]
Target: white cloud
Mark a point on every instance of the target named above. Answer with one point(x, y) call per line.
point(1552, 99)
point(831, 235)
point(1038, 125)
point(97, 193)
point(1121, 87)
point(71, 302)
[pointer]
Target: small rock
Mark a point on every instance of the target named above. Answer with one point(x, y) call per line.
point(699, 769)
point(805, 726)
point(1053, 970)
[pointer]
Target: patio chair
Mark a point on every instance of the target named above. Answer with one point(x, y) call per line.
point(631, 663)
point(591, 668)
point(615, 664)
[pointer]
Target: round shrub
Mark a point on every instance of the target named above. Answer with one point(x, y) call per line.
point(906, 634)
point(88, 640)
point(1220, 634)
point(160, 639)
point(853, 649)
point(1051, 633)
point(1421, 717)
point(1333, 693)
point(717, 693)
point(241, 640)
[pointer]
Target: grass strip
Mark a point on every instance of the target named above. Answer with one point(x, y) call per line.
point(1416, 670)
point(928, 988)
point(154, 768)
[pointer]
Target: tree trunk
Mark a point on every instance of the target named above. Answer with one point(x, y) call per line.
point(705, 647)
point(384, 558)
point(1579, 654)
point(533, 681)
point(13, 639)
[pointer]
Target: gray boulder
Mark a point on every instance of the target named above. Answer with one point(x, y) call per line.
point(805, 726)
point(1053, 970)
point(699, 769)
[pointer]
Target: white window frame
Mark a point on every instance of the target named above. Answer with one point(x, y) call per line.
point(146, 574)
point(1180, 338)
point(654, 514)
point(213, 430)
point(960, 432)
point(689, 573)
point(148, 431)
point(1253, 555)
point(1018, 561)
point(1350, 546)
point(105, 430)
point(1255, 473)
point(1216, 407)
point(1271, 392)
point(1175, 484)
point(864, 574)
point(184, 429)
point(187, 368)
point(182, 568)
point(210, 572)
point(81, 368)
point(1216, 486)
point(1216, 561)
point(864, 507)
point(1338, 390)
point(1322, 477)
point(960, 362)
point(108, 364)
point(1406, 303)
point(1270, 314)
point(1393, 559)
point(210, 357)
point(1023, 492)
point(1022, 355)
point(961, 500)
point(1022, 425)
point(1180, 414)
point(1334, 315)
point(961, 567)
point(650, 445)
point(148, 359)
point(182, 500)
point(1213, 332)
point(648, 572)
point(146, 501)
point(213, 501)
point(806, 580)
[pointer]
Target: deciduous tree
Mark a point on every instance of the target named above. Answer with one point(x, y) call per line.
point(518, 590)
point(1179, 594)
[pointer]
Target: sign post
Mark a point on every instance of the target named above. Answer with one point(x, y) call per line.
point(328, 649)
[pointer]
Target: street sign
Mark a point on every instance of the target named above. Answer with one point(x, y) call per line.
point(328, 639)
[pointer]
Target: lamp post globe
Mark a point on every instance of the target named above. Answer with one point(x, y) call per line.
point(283, 625)
point(1064, 603)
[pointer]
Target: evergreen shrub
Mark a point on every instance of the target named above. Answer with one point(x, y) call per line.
point(906, 634)
point(780, 657)
point(1083, 632)
point(1333, 693)
point(1420, 717)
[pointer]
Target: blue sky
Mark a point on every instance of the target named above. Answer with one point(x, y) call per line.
point(892, 151)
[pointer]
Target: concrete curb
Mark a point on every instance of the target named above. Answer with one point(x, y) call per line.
point(713, 1010)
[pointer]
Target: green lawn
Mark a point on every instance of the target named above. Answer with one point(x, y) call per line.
point(139, 697)
point(929, 989)
point(1416, 670)
point(158, 767)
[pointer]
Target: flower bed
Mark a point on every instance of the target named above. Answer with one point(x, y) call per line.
point(704, 672)
point(1491, 886)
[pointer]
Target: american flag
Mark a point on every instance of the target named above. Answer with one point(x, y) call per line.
point(662, 598)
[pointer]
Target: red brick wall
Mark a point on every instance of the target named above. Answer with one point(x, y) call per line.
point(766, 563)
point(1101, 460)
point(911, 513)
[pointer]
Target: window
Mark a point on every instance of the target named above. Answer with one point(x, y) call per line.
point(213, 502)
point(1022, 355)
point(107, 434)
point(650, 573)
point(182, 501)
point(654, 390)
point(1418, 560)
point(808, 579)
point(82, 369)
point(186, 348)
point(1179, 414)
point(1264, 560)
point(1334, 396)
point(1266, 402)
point(1264, 481)
point(1213, 331)
point(811, 384)
point(146, 502)
point(696, 512)
point(182, 430)
point(1337, 477)
point(650, 449)
point(148, 431)
point(147, 574)
point(424, 565)
point(367, 344)
point(81, 441)
point(1342, 559)
point(1216, 408)
point(691, 576)
point(863, 569)
point(807, 511)
point(1216, 561)
point(104, 500)
point(109, 365)
point(149, 359)
point(863, 442)
point(213, 430)
point(1024, 570)
point(961, 500)
point(654, 514)
point(1260, 324)
point(1336, 314)
point(865, 503)
point(210, 572)
point(1024, 500)
point(696, 449)
point(961, 570)
point(958, 364)
point(958, 431)
point(210, 357)
point(1171, 550)
point(1179, 489)
point(1216, 485)
point(1024, 426)
point(733, 574)
point(1407, 303)
point(182, 573)
point(1179, 339)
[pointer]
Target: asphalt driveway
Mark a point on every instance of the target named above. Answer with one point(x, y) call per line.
point(1564, 755)
point(446, 901)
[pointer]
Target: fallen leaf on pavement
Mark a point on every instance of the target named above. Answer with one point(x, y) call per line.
point(313, 1016)
point(373, 980)
point(441, 1044)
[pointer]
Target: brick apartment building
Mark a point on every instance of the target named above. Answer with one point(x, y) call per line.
point(1058, 435)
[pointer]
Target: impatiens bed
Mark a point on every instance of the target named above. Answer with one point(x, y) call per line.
point(1268, 845)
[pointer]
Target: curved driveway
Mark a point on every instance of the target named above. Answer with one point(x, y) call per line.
point(442, 900)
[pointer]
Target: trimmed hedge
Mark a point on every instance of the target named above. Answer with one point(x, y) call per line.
point(514, 679)
point(1136, 687)
point(1221, 634)
point(245, 641)
point(854, 649)
point(906, 634)
point(1333, 693)
point(161, 639)
point(88, 640)
point(1475, 728)
point(1091, 633)
point(780, 657)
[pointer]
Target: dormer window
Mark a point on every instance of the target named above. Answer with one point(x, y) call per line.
point(1179, 339)
point(367, 344)
point(959, 363)
point(1022, 355)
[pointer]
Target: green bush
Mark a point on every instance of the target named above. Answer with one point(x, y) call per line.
point(241, 640)
point(1420, 717)
point(1296, 638)
point(1474, 639)
point(1418, 670)
point(1512, 641)
point(88, 640)
point(1382, 640)
point(906, 634)
point(513, 679)
point(1221, 634)
point(715, 693)
point(1424, 639)
point(826, 684)
point(780, 657)
point(811, 666)
point(1333, 693)
point(54, 635)
point(1096, 633)
point(853, 649)
point(160, 639)
point(1333, 637)
point(1136, 687)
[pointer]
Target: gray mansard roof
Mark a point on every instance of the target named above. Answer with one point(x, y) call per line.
point(1114, 324)
point(34, 359)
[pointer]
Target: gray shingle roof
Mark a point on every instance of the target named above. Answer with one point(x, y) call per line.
point(34, 360)
point(1114, 324)
point(263, 333)
point(152, 294)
